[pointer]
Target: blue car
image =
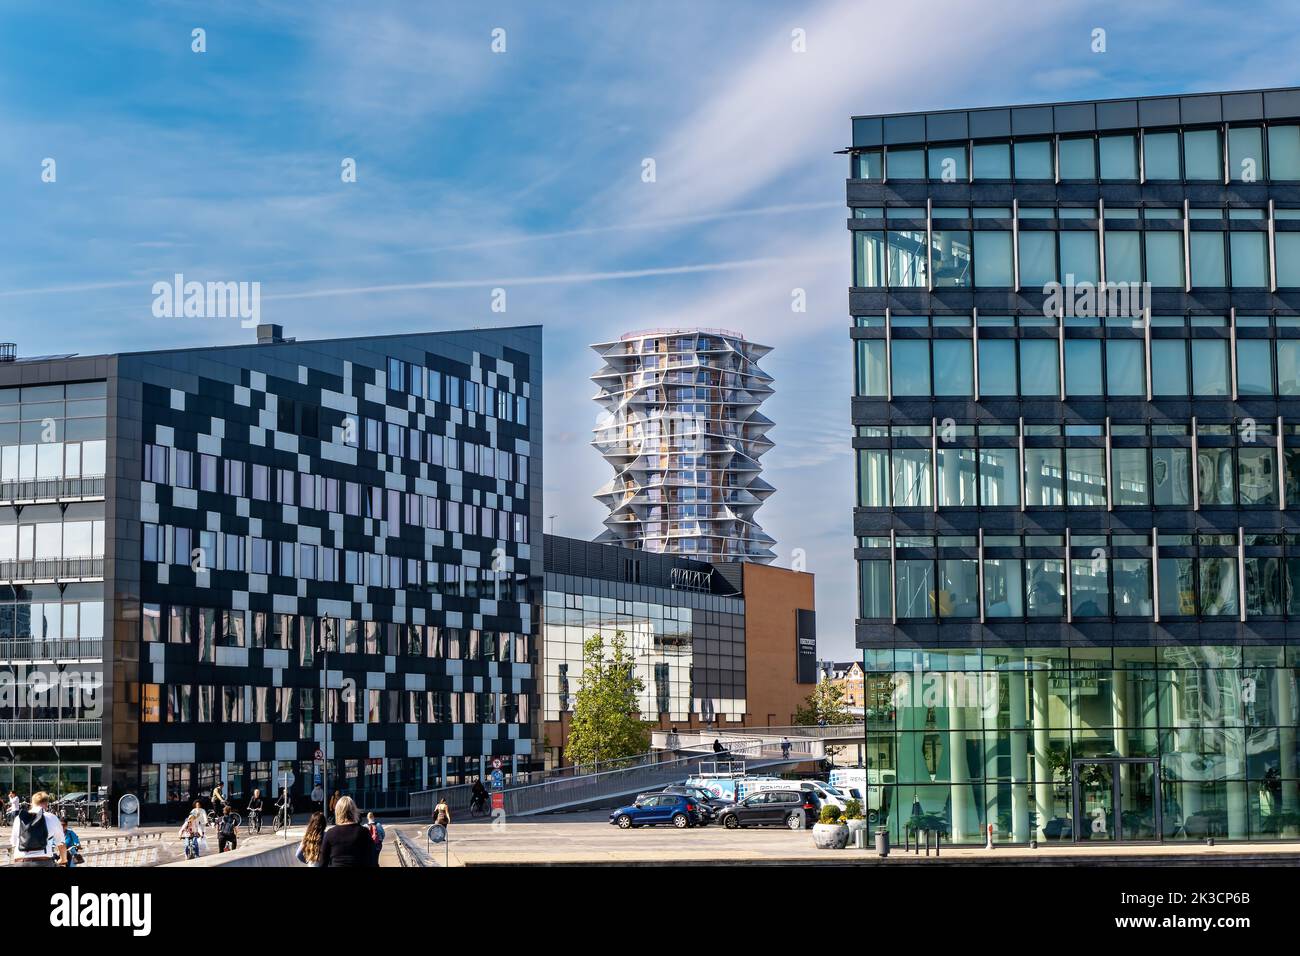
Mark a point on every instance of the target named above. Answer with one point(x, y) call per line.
point(652, 809)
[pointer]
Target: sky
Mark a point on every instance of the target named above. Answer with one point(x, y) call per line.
point(504, 145)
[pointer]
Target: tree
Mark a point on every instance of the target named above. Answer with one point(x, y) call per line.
point(606, 722)
point(825, 705)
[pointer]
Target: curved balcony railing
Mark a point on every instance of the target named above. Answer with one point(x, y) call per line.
point(19, 732)
point(51, 569)
point(51, 489)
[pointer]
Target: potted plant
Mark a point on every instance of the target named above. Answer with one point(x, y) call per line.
point(853, 818)
point(829, 833)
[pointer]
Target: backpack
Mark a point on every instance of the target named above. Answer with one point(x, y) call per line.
point(33, 832)
point(375, 838)
point(228, 824)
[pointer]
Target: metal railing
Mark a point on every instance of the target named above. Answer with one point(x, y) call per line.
point(806, 731)
point(51, 569)
point(18, 732)
point(51, 489)
point(643, 775)
point(35, 649)
point(407, 855)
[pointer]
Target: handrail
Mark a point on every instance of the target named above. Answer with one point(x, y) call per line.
point(40, 489)
point(37, 649)
point(47, 731)
point(407, 854)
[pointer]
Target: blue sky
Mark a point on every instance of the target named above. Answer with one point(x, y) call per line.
point(522, 170)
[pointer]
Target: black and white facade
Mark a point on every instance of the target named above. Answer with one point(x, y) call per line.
point(319, 548)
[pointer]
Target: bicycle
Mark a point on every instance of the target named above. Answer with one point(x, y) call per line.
point(283, 818)
point(254, 821)
point(480, 807)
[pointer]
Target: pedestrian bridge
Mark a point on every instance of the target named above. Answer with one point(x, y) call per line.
point(810, 740)
point(592, 785)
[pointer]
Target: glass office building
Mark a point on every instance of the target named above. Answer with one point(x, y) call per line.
point(218, 563)
point(1076, 411)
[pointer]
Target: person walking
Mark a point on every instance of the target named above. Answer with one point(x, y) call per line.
point(442, 812)
point(14, 805)
point(785, 748)
point(192, 832)
point(376, 835)
point(347, 843)
point(37, 836)
point(227, 831)
point(334, 799)
point(255, 811)
point(309, 848)
point(318, 799)
point(717, 746)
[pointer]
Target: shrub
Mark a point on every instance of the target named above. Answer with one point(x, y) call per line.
point(853, 810)
point(830, 814)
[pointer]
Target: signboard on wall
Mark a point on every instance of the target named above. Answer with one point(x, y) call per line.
point(805, 639)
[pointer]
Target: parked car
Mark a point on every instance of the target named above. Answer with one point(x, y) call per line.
point(710, 806)
point(652, 809)
point(794, 808)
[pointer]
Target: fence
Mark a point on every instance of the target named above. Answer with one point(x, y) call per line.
point(59, 649)
point(49, 731)
point(52, 569)
point(51, 489)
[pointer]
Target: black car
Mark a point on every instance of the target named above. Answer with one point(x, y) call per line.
point(710, 806)
point(796, 809)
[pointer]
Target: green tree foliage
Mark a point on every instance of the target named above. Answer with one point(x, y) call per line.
point(825, 705)
point(606, 722)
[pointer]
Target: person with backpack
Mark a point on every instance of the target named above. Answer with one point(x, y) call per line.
point(376, 835)
point(227, 831)
point(38, 836)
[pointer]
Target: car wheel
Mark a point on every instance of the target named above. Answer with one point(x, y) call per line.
point(794, 821)
point(624, 822)
point(680, 821)
point(730, 821)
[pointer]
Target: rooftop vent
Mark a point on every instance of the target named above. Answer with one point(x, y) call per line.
point(8, 351)
point(267, 334)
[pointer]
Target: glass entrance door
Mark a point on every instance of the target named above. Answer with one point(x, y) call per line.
point(1116, 799)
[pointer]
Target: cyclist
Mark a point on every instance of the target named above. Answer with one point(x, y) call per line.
point(218, 801)
point(284, 808)
point(479, 799)
point(255, 811)
point(227, 831)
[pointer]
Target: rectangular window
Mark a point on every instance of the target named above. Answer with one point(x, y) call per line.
point(1085, 477)
point(1077, 159)
point(1034, 160)
point(1209, 268)
point(908, 259)
point(1003, 588)
point(1037, 258)
point(873, 590)
point(1045, 587)
point(1215, 476)
point(997, 367)
point(912, 478)
point(1118, 160)
point(1129, 477)
point(871, 378)
point(1249, 259)
point(1123, 256)
point(1089, 587)
point(914, 589)
point(1039, 367)
point(1043, 477)
point(873, 478)
point(1165, 259)
point(1218, 586)
point(999, 477)
point(1257, 477)
point(992, 161)
point(952, 367)
point(1169, 367)
point(1288, 366)
point(1246, 154)
point(1083, 367)
point(1132, 587)
point(1079, 255)
point(1125, 367)
point(1210, 367)
point(950, 257)
point(910, 361)
point(1162, 160)
point(1284, 153)
point(1203, 155)
point(905, 163)
point(993, 265)
point(1254, 367)
point(948, 163)
point(1171, 476)
point(956, 477)
point(1177, 587)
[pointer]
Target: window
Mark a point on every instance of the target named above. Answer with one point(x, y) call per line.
point(1082, 367)
point(1085, 477)
point(1284, 152)
point(1077, 159)
point(1003, 588)
point(1249, 259)
point(1037, 258)
point(912, 479)
point(956, 477)
point(868, 165)
point(1257, 476)
point(1218, 586)
point(1210, 367)
point(948, 163)
point(1169, 367)
point(997, 366)
point(1125, 367)
point(1246, 154)
point(952, 367)
point(1162, 159)
point(1118, 160)
point(207, 473)
point(1123, 256)
point(1039, 367)
point(950, 257)
point(1045, 587)
point(873, 478)
point(1207, 259)
point(914, 588)
point(1079, 255)
point(1129, 477)
point(1287, 256)
point(871, 378)
point(993, 265)
point(992, 161)
point(1215, 476)
point(1254, 367)
point(910, 364)
point(1034, 160)
point(1089, 587)
point(874, 589)
point(999, 476)
point(182, 469)
point(908, 259)
point(1165, 258)
point(905, 163)
point(1171, 476)
point(1202, 154)
point(1043, 477)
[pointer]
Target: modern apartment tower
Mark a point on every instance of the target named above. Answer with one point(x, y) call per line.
point(1076, 330)
point(681, 427)
point(309, 561)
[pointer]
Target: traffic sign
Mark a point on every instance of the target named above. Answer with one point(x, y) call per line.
point(496, 763)
point(498, 801)
point(437, 833)
point(319, 755)
point(498, 779)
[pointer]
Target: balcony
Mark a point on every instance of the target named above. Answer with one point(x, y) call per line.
point(33, 490)
point(34, 649)
point(20, 733)
point(49, 570)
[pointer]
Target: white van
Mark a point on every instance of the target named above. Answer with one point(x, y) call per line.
point(826, 793)
point(853, 780)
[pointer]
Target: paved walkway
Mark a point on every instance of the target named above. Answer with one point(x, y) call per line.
point(587, 838)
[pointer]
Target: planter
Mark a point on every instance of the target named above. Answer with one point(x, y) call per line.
point(830, 836)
